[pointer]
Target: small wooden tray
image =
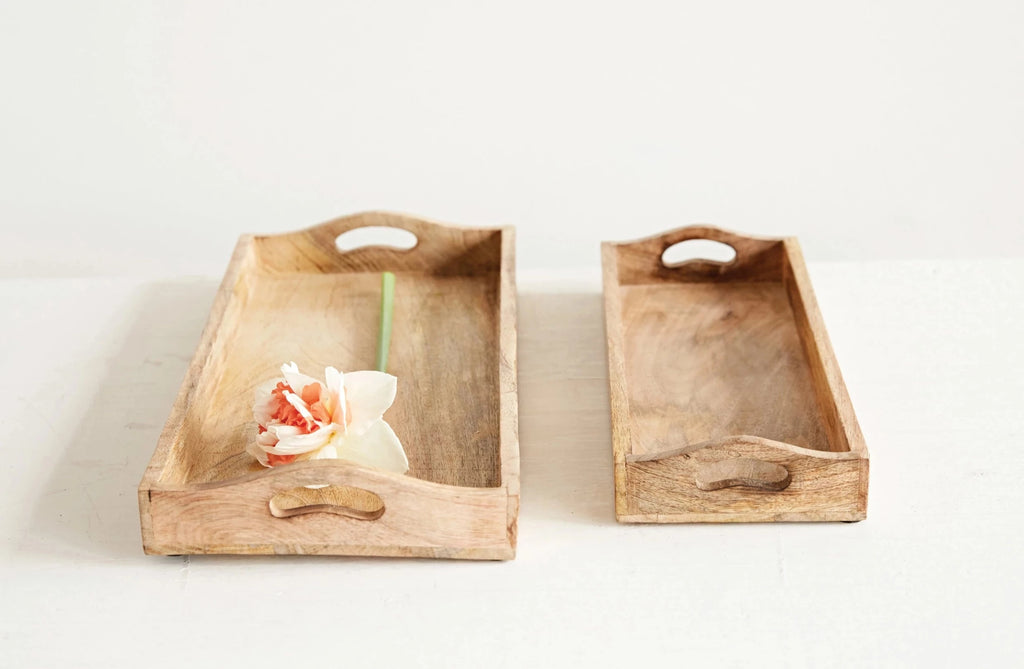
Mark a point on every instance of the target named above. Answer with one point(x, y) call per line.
point(296, 297)
point(727, 402)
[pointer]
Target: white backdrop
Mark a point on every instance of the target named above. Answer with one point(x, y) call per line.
point(138, 139)
point(145, 136)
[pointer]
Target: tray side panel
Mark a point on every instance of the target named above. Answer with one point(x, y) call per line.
point(617, 392)
point(164, 464)
point(836, 407)
point(420, 519)
point(824, 486)
point(508, 378)
point(640, 261)
point(440, 249)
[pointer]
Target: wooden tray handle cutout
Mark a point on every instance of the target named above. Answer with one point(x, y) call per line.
point(726, 251)
point(698, 251)
point(340, 499)
point(376, 236)
point(742, 472)
point(385, 231)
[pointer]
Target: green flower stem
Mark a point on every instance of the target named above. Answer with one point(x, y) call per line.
point(387, 308)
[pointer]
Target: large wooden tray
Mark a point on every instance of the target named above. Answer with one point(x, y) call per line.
point(296, 297)
point(727, 401)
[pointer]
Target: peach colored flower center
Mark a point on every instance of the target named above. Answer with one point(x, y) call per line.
point(284, 412)
point(318, 401)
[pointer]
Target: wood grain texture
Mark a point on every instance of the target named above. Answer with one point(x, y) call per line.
point(823, 485)
point(737, 472)
point(712, 361)
point(728, 354)
point(421, 519)
point(342, 500)
point(296, 297)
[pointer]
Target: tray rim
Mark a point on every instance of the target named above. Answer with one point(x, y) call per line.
point(241, 259)
point(797, 282)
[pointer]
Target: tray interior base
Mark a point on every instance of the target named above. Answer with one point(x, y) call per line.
point(444, 351)
point(711, 360)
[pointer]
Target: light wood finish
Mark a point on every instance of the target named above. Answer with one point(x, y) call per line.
point(296, 297)
point(727, 401)
point(742, 472)
point(342, 500)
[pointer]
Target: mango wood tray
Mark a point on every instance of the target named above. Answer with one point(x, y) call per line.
point(727, 402)
point(297, 297)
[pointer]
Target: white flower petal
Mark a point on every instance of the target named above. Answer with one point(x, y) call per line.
point(267, 440)
point(334, 379)
point(262, 391)
point(328, 452)
point(303, 443)
point(299, 405)
point(263, 400)
point(336, 393)
point(378, 447)
point(296, 379)
point(261, 413)
point(281, 430)
point(368, 395)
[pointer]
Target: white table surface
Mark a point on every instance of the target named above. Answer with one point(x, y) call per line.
point(932, 355)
